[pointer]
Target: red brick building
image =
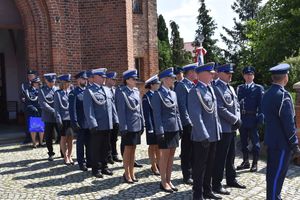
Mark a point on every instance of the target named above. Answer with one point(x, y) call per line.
point(66, 36)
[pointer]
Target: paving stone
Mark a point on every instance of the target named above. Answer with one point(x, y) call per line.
point(25, 173)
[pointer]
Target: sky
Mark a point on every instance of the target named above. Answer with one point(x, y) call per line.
point(184, 13)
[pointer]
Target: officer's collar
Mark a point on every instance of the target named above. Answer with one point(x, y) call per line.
point(249, 84)
point(223, 82)
point(165, 88)
point(204, 84)
point(151, 91)
point(99, 86)
point(130, 89)
point(276, 84)
point(82, 88)
point(188, 80)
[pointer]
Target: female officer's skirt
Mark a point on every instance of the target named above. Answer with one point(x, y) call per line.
point(66, 128)
point(131, 138)
point(151, 138)
point(171, 140)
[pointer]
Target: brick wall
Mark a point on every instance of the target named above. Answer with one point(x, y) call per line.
point(71, 35)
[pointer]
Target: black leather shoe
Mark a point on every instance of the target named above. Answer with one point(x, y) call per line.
point(221, 190)
point(107, 172)
point(110, 161)
point(127, 181)
point(117, 159)
point(50, 158)
point(83, 168)
point(136, 164)
point(135, 180)
point(98, 175)
point(211, 195)
point(175, 189)
point(243, 165)
point(235, 184)
point(253, 168)
point(164, 189)
point(188, 181)
point(156, 173)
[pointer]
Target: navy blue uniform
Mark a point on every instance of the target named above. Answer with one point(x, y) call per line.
point(149, 119)
point(182, 90)
point(280, 136)
point(250, 97)
point(79, 123)
point(32, 106)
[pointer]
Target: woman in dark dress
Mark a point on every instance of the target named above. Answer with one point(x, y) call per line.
point(167, 126)
point(152, 84)
point(131, 121)
point(33, 108)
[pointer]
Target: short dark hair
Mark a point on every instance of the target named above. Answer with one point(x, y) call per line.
point(278, 77)
point(124, 82)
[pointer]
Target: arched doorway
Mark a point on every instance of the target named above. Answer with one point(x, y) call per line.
point(12, 60)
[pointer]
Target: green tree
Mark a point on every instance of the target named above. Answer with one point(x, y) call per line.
point(162, 29)
point(274, 34)
point(164, 48)
point(179, 55)
point(238, 50)
point(207, 27)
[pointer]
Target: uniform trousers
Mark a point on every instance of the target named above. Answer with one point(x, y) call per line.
point(113, 140)
point(202, 167)
point(225, 155)
point(251, 133)
point(186, 152)
point(277, 167)
point(83, 147)
point(99, 148)
point(50, 128)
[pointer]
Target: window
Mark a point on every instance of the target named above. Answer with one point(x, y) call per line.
point(138, 63)
point(137, 6)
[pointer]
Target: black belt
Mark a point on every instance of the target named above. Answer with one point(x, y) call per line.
point(244, 112)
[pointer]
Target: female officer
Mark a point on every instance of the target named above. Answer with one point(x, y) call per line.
point(131, 121)
point(61, 105)
point(33, 108)
point(167, 126)
point(152, 84)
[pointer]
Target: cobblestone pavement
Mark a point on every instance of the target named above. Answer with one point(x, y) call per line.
point(25, 173)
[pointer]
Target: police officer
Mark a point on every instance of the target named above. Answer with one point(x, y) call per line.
point(229, 114)
point(202, 107)
point(31, 74)
point(182, 90)
point(152, 84)
point(167, 127)
point(79, 122)
point(33, 108)
point(280, 132)
point(111, 81)
point(46, 101)
point(131, 118)
point(250, 96)
point(61, 105)
point(100, 112)
point(179, 75)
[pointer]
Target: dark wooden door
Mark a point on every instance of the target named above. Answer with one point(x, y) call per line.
point(3, 110)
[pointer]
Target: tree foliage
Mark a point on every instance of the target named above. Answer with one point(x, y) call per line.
point(275, 34)
point(207, 27)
